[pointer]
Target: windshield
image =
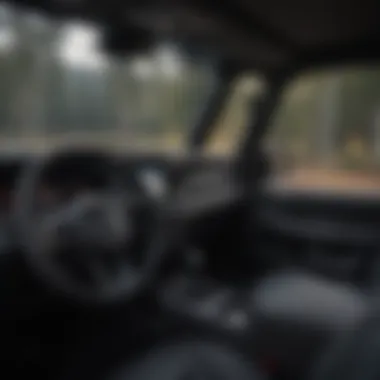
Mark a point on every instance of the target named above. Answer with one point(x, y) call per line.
point(59, 88)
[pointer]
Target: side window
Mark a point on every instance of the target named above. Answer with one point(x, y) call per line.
point(326, 132)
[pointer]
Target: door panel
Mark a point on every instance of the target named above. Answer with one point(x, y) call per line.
point(330, 233)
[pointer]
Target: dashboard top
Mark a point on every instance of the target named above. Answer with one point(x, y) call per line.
point(207, 186)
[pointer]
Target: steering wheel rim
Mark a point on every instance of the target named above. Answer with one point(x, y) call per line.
point(129, 283)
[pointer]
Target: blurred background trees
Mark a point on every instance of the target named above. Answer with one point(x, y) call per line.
point(50, 84)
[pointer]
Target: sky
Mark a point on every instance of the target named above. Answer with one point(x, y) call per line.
point(78, 46)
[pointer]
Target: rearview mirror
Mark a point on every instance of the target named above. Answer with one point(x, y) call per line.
point(127, 40)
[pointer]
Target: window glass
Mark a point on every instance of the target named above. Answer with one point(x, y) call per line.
point(326, 132)
point(59, 87)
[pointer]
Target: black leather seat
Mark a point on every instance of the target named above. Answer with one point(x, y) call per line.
point(189, 361)
point(354, 356)
point(296, 314)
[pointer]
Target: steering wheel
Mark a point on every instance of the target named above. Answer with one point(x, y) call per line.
point(81, 247)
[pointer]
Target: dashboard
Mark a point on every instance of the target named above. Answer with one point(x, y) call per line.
point(204, 201)
point(208, 187)
point(331, 235)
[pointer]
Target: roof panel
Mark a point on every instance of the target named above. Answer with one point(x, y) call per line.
point(267, 34)
point(318, 22)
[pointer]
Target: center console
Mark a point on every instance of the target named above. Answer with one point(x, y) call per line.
point(208, 304)
point(286, 317)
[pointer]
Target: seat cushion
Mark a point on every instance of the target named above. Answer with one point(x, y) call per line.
point(297, 313)
point(353, 356)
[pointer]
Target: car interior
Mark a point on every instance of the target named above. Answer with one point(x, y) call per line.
point(144, 265)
